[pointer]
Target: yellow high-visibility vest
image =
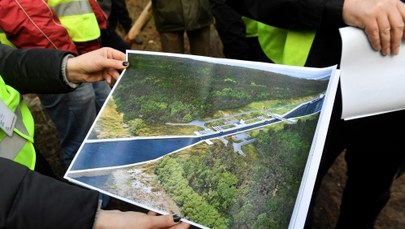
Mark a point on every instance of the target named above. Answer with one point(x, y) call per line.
point(20, 145)
point(4, 40)
point(284, 46)
point(78, 18)
point(251, 27)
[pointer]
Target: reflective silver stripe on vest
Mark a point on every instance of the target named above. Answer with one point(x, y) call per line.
point(73, 8)
point(11, 146)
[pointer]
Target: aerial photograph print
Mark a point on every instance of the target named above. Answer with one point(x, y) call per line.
point(222, 143)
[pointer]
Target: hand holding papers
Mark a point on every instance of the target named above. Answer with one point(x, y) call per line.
point(371, 83)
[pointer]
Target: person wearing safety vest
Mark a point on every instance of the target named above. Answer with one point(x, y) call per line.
point(306, 33)
point(78, 18)
point(17, 123)
point(27, 198)
point(69, 25)
point(83, 20)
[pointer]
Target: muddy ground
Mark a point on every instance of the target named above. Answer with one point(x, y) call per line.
point(327, 206)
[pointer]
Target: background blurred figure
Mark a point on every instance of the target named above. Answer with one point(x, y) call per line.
point(238, 33)
point(176, 17)
point(117, 14)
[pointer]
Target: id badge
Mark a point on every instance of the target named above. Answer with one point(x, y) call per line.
point(7, 119)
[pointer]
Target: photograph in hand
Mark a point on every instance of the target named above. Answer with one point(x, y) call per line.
point(222, 143)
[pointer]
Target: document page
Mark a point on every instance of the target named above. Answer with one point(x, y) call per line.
point(371, 83)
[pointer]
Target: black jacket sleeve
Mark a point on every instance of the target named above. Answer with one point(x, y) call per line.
point(29, 200)
point(293, 14)
point(33, 70)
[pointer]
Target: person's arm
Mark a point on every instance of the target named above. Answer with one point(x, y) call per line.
point(44, 70)
point(382, 20)
point(31, 200)
point(32, 70)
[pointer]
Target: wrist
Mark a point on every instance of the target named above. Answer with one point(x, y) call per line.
point(64, 73)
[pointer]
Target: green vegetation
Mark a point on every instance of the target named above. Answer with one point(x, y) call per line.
point(158, 89)
point(215, 186)
point(110, 123)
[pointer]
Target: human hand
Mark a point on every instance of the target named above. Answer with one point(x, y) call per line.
point(115, 219)
point(382, 20)
point(97, 65)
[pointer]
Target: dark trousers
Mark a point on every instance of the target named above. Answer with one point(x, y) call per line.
point(375, 153)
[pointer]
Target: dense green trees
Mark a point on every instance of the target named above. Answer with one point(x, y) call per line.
point(193, 206)
point(159, 89)
point(217, 187)
point(135, 126)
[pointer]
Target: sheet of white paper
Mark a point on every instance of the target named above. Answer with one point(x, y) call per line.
point(371, 83)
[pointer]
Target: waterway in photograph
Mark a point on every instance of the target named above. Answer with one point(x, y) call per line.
point(123, 152)
point(99, 154)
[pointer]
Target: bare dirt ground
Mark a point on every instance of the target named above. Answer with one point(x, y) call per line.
point(327, 206)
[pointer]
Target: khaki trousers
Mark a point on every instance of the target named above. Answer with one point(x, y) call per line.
point(199, 41)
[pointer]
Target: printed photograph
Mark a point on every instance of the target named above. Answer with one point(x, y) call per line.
point(222, 143)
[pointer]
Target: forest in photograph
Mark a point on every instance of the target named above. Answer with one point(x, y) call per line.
point(158, 89)
point(219, 188)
